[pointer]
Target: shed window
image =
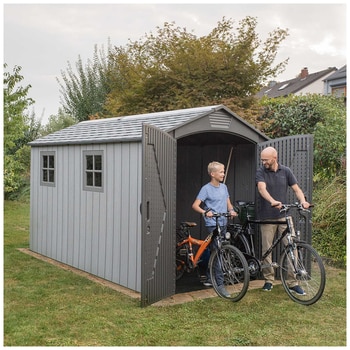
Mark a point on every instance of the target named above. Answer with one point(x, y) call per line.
point(47, 166)
point(93, 171)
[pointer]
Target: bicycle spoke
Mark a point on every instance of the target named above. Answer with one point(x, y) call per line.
point(308, 271)
point(229, 273)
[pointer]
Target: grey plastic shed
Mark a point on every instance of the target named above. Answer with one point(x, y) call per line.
point(107, 195)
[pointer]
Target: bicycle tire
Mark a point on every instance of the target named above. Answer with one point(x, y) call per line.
point(311, 275)
point(229, 273)
point(241, 242)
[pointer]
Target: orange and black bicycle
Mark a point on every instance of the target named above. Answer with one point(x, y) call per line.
point(228, 268)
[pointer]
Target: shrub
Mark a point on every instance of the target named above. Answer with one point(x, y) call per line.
point(322, 116)
point(329, 220)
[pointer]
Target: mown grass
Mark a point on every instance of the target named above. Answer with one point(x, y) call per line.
point(48, 306)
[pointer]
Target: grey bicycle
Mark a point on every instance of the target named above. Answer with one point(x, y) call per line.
point(297, 256)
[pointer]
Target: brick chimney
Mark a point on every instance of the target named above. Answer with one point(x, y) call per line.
point(304, 73)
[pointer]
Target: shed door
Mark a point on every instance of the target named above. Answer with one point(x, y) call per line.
point(158, 215)
point(296, 152)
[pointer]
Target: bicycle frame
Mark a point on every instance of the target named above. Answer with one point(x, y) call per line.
point(203, 244)
point(289, 232)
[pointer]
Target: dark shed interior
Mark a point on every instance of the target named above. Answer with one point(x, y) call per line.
point(195, 152)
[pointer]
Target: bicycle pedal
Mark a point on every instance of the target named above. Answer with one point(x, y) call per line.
point(274, 264)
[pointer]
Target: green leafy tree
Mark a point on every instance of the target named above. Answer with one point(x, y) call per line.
point(16, 103)
point(83, 93)
point(322, 116)
point(176, 69)
point(57, 122)
point(19, 128)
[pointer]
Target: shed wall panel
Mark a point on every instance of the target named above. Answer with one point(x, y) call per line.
point(244, 164)
point(98, 232)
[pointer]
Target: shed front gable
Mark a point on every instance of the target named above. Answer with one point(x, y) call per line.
point(220, 121)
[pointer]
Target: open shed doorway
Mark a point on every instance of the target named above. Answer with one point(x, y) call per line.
point(194, 153)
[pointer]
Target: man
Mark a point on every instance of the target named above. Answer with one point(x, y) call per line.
point(272, 181)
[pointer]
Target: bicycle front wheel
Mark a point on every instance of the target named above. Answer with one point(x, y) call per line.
point(308, 270)
point(229, 273)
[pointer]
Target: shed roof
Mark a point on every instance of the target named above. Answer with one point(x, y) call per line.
point(127, 128)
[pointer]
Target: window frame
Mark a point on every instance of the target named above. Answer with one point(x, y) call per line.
point(93, 171)
point(48, 169)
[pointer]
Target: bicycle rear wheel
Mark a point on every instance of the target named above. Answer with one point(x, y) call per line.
point(310, 273)
point(239, 241)
point(229, 273)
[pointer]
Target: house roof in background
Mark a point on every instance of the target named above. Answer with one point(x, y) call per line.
point(339, 74)
point(292, 86)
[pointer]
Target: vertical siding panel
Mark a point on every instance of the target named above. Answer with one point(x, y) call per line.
point(33, 233)
point(133, 210)
point(83, 211)
point(110, 193)
point(89, 222)
point(102, 226)
point(65, 203)
point(139, 221)
point(78, 203)
point(71, 206)
point(58, 206)
point(94, 231)
point(124, 214)
point(42, 224)
point(102, 236)
point(42, 238)
point(117, 204)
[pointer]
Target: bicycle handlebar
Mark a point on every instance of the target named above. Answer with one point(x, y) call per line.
point(286, 207)
point(216, 215)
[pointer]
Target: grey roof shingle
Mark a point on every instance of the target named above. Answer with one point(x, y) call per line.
point(121, 129)
point(340, 73)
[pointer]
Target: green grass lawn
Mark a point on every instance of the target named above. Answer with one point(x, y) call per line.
point(48, 306)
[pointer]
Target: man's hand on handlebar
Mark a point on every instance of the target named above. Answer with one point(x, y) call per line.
point(305, 205)
point(276, 204)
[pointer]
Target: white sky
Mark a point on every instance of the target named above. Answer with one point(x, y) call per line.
point(42, 38)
